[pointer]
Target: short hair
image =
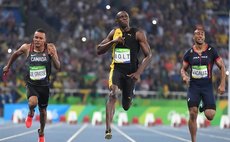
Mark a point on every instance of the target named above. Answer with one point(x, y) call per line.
point(199, 27)
point(41, 30)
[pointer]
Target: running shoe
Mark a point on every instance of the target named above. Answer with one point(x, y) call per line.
point(28, 121)
point(108, 134)
point(41, 137)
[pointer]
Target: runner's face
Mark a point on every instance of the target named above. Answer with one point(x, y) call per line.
point(199, 37)
point(39, 39)
point(123, 19)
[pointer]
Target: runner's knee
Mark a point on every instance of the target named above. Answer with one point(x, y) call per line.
point(33, 101)
point(209, 113)
point(126, 107)
point(126, 104)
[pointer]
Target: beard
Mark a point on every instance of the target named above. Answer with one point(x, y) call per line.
point(199, 43)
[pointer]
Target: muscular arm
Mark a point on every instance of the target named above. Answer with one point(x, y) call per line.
point(54, 56)
point(183, 72)
point(141, 37)
point(220, 64)
point(105, 44)
point(24, 49)
point(108, 42)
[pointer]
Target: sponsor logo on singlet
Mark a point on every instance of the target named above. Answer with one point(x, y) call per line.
point(199, 72)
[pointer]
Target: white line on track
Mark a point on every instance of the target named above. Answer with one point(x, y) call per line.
point(164, 134)
point(77, 133)
point(215, 136)
point(28, 132)
point(11, 126)
point(214, 130)
point(123, 134)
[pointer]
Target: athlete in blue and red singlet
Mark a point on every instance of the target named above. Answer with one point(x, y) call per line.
point(200, 59)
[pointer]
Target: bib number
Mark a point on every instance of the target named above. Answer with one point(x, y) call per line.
point(37, 72)
point(122, 55)
point(199, 72)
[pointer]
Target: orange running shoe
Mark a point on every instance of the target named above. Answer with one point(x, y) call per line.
point(41, 137)
point(28, 121)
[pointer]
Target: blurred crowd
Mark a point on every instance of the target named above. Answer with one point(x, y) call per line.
point(82, 68)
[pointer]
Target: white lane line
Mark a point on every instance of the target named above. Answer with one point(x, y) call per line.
point(77, 133)
point(215, 136)
point(123, 134)
point(215, 131)
point(11, 126)
point(165, 134)
point(26, 133)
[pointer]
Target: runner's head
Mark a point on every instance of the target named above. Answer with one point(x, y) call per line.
point(199, 35)
point(122, 19)
point(39, 38)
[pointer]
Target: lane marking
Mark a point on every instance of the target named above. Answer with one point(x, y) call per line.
point(123, 134)
point(203, 133)
point(165, 134)
point(215, 136)
point(11, 126)
point(28, 132)
point(77, 133)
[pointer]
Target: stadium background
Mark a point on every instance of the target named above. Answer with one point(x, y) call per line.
point(76, 27)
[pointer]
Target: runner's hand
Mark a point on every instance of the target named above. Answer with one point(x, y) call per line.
point(135, 76)
point(186, 79)
point(120, 40)
point(221, 89)
point(5, 70)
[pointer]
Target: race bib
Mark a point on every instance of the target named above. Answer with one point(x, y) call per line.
point(199, 72)
point(37, 72)
point(122, 55)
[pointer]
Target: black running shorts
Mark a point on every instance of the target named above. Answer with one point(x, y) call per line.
point(42, 92)
point(125, 84)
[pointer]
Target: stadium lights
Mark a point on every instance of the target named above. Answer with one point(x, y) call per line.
point(108, 7)
point(9, 50)
point(154, 21)
point(83, 39)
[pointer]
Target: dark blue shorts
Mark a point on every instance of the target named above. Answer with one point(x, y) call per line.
point(198, 92)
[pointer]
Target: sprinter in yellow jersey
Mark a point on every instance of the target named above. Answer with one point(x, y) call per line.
point(125, 69)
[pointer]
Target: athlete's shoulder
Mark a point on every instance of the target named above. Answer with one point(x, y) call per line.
point(211, 47)
point(189, 51)
point(50, 45)
point(25, 46)
point(135, 29)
